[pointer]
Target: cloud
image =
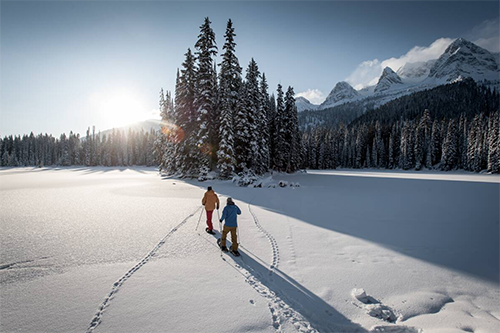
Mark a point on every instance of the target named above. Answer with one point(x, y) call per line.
point(314, 96)
point(368, 72)
point(419, 54)
point(486, 35)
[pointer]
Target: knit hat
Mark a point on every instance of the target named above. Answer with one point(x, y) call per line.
point(230, 201)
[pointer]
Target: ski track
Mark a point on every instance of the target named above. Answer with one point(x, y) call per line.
point(96, 320)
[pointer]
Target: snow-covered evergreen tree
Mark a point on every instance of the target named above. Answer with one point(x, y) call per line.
point(450, 147)
point(186, 149)
point(291, 132)
point(263, 127)
point(280, 144)
point(422, 137)
point(494, 143)
point(229, 85)
point(242, 130)
point(257, 158)
point(205, 99)
point(271, 127)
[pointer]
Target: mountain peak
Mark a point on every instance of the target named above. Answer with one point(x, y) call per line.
point(303, 103)
point(465, 59)
point(387, 80)
point(342, 91)
point(464, 45)
point(387, 71)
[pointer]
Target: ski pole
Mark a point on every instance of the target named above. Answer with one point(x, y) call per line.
point(239, 237)
point(199, 219)
point(218, 215)
point(220, 229)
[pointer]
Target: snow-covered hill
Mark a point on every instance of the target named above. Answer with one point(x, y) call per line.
point(462, 59)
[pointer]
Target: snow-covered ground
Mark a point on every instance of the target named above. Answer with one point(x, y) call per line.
point(347, 251)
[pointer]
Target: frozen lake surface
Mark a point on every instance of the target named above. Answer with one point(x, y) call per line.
point(424, 246)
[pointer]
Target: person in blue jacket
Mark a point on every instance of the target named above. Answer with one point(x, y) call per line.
point(229, 214)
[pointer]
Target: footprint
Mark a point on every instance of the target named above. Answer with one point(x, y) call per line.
point(252, 302)
point(374, 307)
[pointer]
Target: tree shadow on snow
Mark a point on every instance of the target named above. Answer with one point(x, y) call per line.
point(453, 224)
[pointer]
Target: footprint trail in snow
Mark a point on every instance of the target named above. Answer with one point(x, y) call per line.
point(96, 320)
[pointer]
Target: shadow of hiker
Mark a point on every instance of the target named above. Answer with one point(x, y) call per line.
point(290, 302)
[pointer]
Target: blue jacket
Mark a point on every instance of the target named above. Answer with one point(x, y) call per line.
point(229, 214)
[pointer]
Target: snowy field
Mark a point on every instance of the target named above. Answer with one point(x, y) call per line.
point(107, 250)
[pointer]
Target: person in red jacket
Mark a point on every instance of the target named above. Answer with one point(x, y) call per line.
point(210, 201)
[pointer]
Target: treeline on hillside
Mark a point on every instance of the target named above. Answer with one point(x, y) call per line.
point(224, 122)
point(331, 117)
point(116, 149)
point(459, 130)
point(446, 101)
point(469, 144)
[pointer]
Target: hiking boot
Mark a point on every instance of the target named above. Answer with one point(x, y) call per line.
point(224, 248)
point(210, 231)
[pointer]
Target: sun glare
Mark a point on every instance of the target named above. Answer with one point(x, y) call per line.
point(120, 108)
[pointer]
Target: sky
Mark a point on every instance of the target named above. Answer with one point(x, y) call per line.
point(65, 66)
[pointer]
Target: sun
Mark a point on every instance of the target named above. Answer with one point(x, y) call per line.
point(119, 108)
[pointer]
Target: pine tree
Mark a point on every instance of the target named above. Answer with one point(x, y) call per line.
point(253, 110)
point(450, 147)
point(263, 126)
point(422, 137)
point(280, 144)
point(462, 143)
point(291, 132)
point(186, 149)
point(205, 99)
point(242, 131)
point(271, 126)
point(229, 86)
point(433, 154)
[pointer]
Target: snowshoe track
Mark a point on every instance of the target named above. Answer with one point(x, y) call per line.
point(272, 241)
point(96, 320)
point(281, 312)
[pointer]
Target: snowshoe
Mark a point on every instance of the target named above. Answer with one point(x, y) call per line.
point(211, 232)
point(223, 248)
point(235, 253)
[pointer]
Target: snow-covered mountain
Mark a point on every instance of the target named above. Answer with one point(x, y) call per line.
point(415, 71)
point(462, 59)
point(303, 103)
point(389, 79)
point(342, 92)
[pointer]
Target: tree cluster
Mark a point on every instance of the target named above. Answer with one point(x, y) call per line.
point(225, 122)
point(115, 149)
point(446, 145)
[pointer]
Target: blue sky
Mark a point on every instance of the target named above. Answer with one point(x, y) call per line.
point(69, 65)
